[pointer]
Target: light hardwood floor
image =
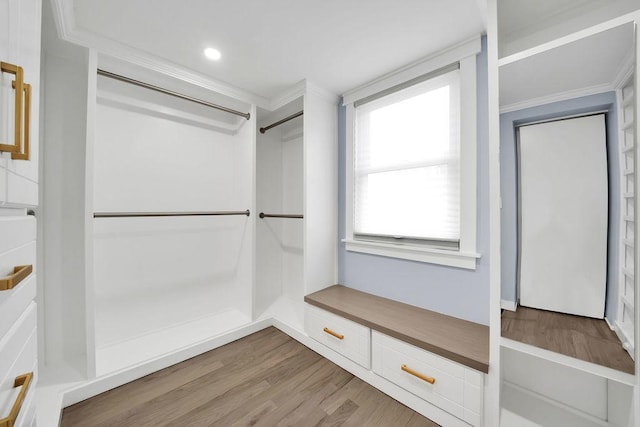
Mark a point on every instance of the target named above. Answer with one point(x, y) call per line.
point(265, 379)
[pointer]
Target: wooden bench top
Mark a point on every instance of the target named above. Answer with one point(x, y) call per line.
point(455, 339)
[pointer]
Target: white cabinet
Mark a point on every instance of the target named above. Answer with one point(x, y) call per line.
point(19, 46)
point(18, 339)
point(451, 386)
point(344, 336)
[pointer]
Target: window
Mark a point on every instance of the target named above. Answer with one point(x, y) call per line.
point(407, 171)
point(411, 151)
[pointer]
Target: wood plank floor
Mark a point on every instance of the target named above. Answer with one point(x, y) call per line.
point(576, 336)
point(265, 379)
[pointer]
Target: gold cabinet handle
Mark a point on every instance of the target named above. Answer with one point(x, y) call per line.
point(335, 334)
point(24, 153)
point(408, 370)
point(21, 381)
point(11, 281)
point(5, 67)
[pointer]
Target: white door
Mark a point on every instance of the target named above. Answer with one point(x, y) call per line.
point(563, 215)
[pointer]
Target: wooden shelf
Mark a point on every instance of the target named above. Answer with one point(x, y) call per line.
point(576, 337)
point(455, 339)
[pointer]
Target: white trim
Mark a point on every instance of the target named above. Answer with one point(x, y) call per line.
point(423, 66)
point(624, 340)
point(557, 97)
point(294, 92)
point(468, 154)
point(624, 73)
point(578, 35)
point(466, 257)
point(610, 325)
point(508, 305)
point(581, 365)
point(415, 253)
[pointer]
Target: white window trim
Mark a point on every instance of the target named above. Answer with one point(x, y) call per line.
point(464, 53)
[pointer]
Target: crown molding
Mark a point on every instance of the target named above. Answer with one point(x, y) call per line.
point(291, 94)
point(625, 72)
point(557, 97)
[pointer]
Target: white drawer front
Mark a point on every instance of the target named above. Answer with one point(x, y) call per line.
point(14, 302)
point(18, 356)
point(356, 339)
point(454, 390)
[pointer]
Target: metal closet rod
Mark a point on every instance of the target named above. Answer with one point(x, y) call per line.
point(155, 214)
point(172, 93)
point(264, 215)
point(279, 122)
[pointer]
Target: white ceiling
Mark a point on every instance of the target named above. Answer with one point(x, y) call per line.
point(268, 46)
point(590, 64)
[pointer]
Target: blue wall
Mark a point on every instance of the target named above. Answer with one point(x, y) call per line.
point(453, 291)
point(508, 178)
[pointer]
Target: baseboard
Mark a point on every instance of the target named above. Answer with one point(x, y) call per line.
point(508, 305)
point(624, 340)
point(610, 325)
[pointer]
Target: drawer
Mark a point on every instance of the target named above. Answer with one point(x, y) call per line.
point(348, 338)
point(456, 389)
point(18, 356)
point(14, 302)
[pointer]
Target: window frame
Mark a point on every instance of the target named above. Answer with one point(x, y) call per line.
point(466, 256)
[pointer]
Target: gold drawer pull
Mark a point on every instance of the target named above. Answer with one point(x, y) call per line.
point(408, 370)
point(21, 381)
point(5, 67)
point(335, 334)
point(11, 281)
point(24, 154)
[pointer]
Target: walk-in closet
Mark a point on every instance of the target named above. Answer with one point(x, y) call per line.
point(322, 213)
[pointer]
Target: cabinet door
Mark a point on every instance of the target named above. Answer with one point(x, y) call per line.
point(19, 45)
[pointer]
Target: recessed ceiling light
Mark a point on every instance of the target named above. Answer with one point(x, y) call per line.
point(212, 54)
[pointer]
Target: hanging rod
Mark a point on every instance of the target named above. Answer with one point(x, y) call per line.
point(154, 214)
point(264, 215)
point(279, 122)
point(170, 92)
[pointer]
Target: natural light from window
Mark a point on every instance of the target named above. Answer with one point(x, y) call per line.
point(407, 163)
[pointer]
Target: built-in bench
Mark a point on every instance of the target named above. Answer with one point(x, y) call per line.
point(439, 358)
point(455, 339)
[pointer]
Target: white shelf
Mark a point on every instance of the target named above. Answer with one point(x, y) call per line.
point(523, 408)
point(153, 345)
point(571, 362)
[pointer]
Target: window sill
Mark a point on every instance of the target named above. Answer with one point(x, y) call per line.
point(458, 259)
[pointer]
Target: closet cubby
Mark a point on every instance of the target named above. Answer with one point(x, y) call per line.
point(162, 283)
point(296, 189)
point(279, 191)
point(556, 368)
